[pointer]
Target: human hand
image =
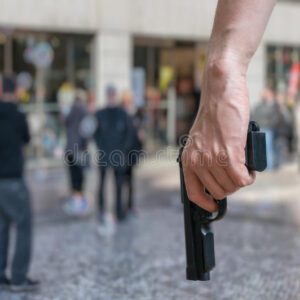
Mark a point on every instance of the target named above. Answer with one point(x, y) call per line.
point(214, 157)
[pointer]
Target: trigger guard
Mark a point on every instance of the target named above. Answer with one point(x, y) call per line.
point(222, 204)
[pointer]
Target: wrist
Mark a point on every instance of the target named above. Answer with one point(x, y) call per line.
point(226, 52)
point(224, 80)
point(226, 63)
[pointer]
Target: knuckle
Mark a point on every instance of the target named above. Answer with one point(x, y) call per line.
point(194, 160)
point(184, 158)
point(243, 181)
point(192, 195)
point(207, 159)
point(219, 195)
point(240, 183)
point(188, 158)
point(230, 190)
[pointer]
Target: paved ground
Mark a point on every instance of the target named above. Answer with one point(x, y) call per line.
point(257, 245)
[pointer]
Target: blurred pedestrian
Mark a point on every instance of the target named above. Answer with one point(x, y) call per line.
point(15, 207)
point(283, 130)
point(265, 113)
point(297, 127)
point(113, 137)
point(135, 150)
point(76, 154)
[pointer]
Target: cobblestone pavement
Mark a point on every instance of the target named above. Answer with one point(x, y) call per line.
point(257, 248)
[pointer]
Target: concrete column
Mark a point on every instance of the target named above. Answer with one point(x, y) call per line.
point(8, 58)
point(113, 62)
point(257, 74)
point(171, 116)
point(70, 59)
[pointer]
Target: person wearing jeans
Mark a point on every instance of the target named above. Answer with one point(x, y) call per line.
point(119, 180)
point(15, 205)
point(15, 208)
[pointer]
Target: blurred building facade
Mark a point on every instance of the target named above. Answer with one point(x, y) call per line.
point(144, 45)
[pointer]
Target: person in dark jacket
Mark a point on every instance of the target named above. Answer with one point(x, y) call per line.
point(274, 121)
point(113, 137)
point(15, 205)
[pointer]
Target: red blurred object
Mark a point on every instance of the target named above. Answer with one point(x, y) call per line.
point(294, 80)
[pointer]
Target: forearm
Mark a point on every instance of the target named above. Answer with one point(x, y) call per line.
point(214, 158)
point(237, 30)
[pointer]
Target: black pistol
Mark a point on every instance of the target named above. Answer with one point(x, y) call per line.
point(199, 237)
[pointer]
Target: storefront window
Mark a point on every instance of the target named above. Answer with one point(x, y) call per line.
point(148, 58)
point(169, 64)
point(280, 62)
point(1, 56)
point(43, 62)
point(82, 58)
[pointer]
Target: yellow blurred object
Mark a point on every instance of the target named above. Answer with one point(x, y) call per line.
point(166, 76)
point(290, 102)
point(24, 96)
point(66, 94)
point(201, 61)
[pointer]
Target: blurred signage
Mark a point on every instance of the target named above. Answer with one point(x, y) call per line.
point(41, 55)
point(294, 80)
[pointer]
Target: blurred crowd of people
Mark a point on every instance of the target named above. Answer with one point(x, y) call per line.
point(277, 121)
point(117, 133)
